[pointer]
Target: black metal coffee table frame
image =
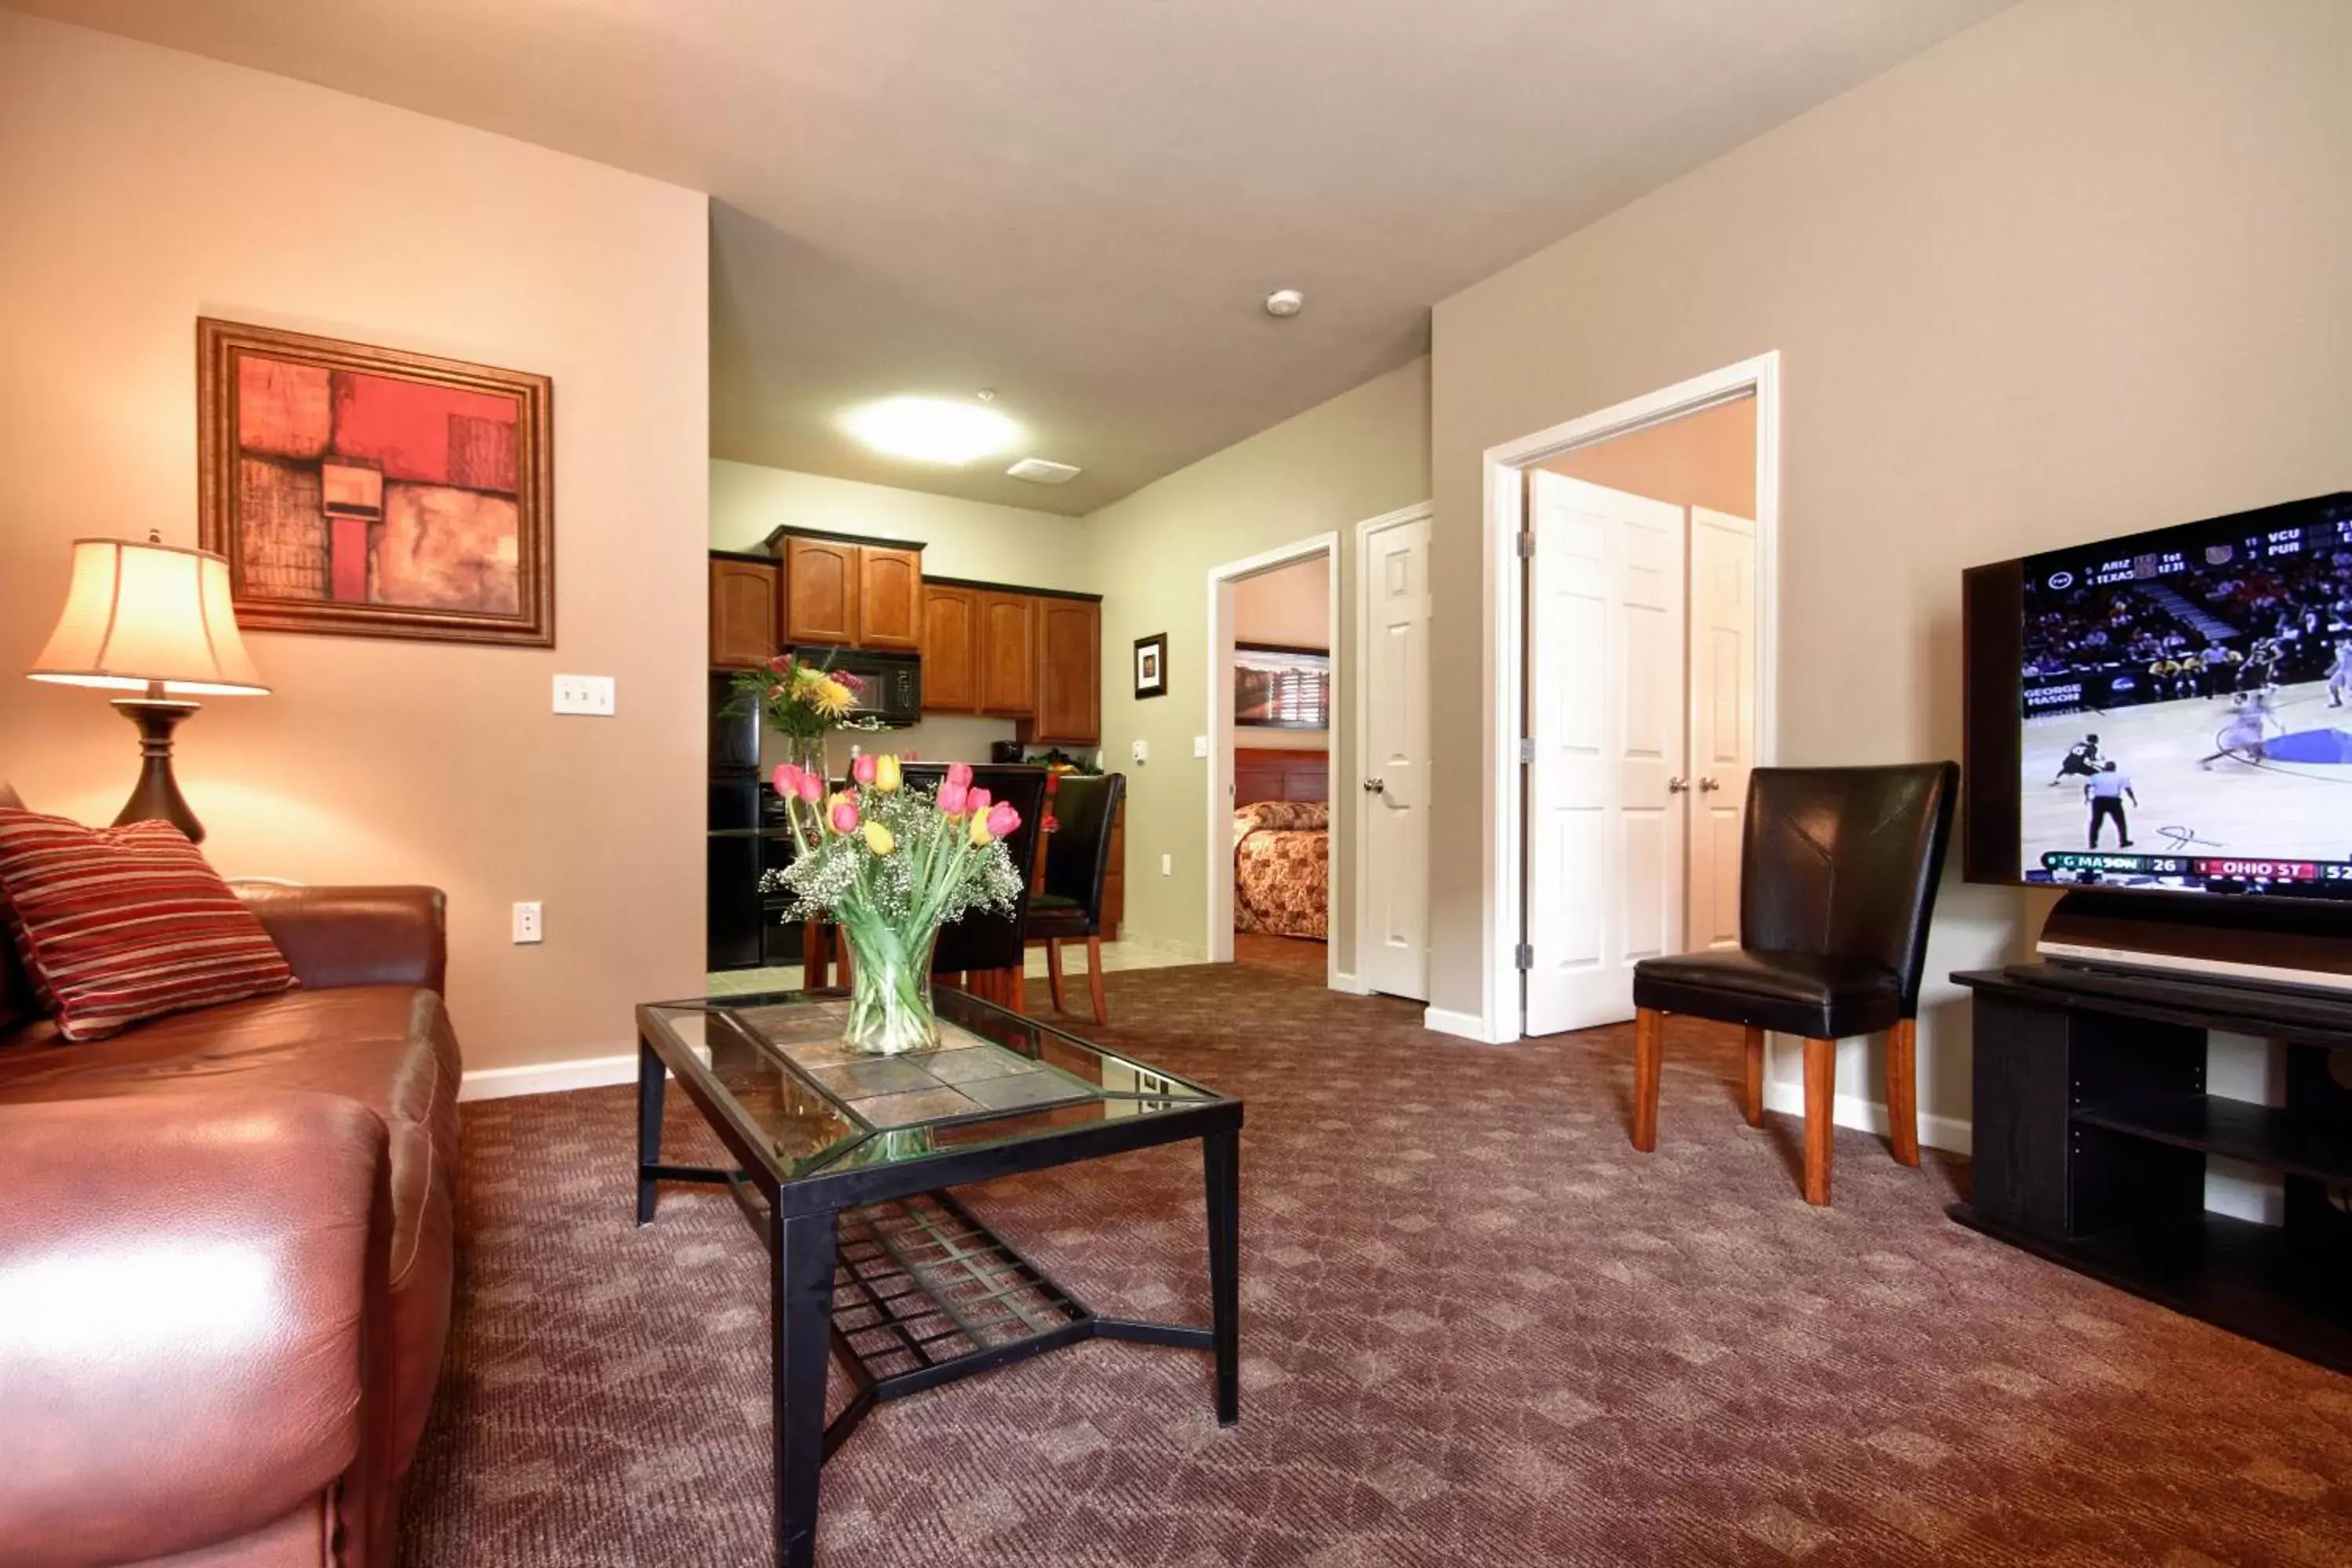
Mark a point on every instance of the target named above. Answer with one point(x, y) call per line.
point(800, 1222)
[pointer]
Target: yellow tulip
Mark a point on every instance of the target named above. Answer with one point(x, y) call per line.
point(886, 773)
point(979, 829)
point(877, 838)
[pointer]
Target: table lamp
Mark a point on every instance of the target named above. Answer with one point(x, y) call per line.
point(152, 618)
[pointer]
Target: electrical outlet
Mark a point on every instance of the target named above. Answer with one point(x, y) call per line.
point(1168, 865)
point(1140, 751)
point(1200, 745)
point(526, 922)
point(589, 694)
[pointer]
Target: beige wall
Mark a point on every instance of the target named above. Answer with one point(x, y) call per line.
point(961, 539)
point(1363, 453)
point(144, 188)
point(1290, 605)
point(1707, 458)
point(2084, 269)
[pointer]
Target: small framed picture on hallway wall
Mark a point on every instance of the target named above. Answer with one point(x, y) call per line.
point(362, 491)
point(1151, 666)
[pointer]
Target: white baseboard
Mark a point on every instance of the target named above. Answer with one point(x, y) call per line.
point(548, 1078)
point(1870, 1116)
point(1465, 1025)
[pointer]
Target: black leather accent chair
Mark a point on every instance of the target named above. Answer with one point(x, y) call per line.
point(984, 952)
point(1837, 871)
point(1077, 862)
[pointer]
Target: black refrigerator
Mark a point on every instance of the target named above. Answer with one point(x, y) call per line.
point(748, 835)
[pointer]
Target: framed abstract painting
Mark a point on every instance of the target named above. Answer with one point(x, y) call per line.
point(372, 493)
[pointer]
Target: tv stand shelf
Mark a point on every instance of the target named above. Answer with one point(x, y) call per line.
point(2093, 1126)
point(2256, 1134)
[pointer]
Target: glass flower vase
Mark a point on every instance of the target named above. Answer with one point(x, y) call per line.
point(890, 988)
point(805, 753)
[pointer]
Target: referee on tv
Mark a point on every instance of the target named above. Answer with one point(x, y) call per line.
point(2106, 791)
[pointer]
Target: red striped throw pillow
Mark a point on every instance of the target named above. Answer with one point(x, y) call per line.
point(118, 924)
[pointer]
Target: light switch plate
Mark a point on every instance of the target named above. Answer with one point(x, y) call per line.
point(1140, 751)
point(1168, 865)
point(589, 694)
point(526, 922)
point(1200, 745)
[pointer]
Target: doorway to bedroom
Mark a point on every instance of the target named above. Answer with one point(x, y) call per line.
point(1274, 623)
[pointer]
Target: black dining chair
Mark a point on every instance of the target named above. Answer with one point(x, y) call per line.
point(1077, 862)
point(987, 950)
point(1838, 870)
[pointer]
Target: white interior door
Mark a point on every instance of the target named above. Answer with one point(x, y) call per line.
point(1392, 857)
point(1608, 716)
point(1723, 717)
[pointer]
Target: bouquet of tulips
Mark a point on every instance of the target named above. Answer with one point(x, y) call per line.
point(891, 865)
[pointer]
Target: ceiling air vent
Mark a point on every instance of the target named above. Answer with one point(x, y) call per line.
point(1038, 471)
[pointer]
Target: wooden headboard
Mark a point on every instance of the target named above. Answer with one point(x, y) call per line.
point(1261, 774)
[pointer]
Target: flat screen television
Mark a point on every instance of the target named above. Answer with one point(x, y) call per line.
point(2168, 712)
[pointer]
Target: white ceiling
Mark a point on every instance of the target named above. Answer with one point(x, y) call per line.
point(1081, 202)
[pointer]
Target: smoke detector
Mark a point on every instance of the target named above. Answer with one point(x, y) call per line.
point(1038, 471)
point(1284, 302)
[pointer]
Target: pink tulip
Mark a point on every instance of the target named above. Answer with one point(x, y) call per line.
point(845, 815)
point(851, 681)
point(959, 775)
point(976, 802)
point(788, 778)
point(862, 770)
point(781, 663)
point(812, 788)
point(952, 799)
point(1003, 819)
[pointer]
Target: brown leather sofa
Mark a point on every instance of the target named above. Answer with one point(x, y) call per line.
point(225, 1255)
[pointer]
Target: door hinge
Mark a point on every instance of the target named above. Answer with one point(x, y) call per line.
point(1526, 748)
point(1526, 546)
point(1526, 956)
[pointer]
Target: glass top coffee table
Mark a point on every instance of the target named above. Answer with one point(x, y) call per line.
point(842, 1164)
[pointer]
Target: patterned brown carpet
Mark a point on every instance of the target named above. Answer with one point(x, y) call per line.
point(1478, 1329)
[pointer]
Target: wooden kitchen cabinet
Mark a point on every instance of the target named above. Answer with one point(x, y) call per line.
point(822, 589)
point(1069, 674)
point(951, 652)
point(742, 613)
point(889, 598)
point(1008, 653)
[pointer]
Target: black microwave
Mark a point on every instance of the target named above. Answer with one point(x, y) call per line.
point(888, 686)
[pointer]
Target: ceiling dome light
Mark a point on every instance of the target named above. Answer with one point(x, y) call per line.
point(1284, 302)
point(932, 430)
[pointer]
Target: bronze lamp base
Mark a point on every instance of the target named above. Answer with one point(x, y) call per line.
point(157, 797)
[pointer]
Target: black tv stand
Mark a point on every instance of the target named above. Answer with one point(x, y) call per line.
point(2092, 1127)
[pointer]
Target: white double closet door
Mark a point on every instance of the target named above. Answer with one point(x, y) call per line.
point(1642, 620)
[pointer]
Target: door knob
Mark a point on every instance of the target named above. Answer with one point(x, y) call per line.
point(1676, 785)
point(1707, 783)
point(1373, 787)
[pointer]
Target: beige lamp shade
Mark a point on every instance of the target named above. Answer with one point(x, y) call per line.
point(138, 616)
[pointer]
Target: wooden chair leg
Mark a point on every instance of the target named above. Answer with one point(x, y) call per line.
point(1054, 972)
point(1820, 1125)
point(1903, 1089)
point(813, 936)
point(1093, 979)
point(1754, 1104)
point(841, 956)
point(1649, 1060)
point(1009, 983)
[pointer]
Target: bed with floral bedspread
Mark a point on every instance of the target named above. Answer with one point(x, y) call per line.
point(1282, 868)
